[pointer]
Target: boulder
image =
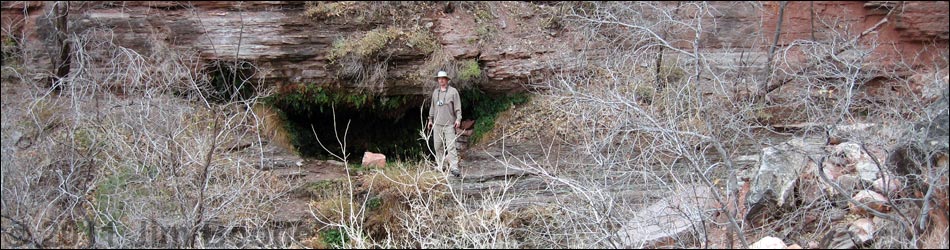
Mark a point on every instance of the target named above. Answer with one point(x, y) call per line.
point(856, 158)
point(466, 124)
point(779, 169)
point(849, 183)
point(867, 170)
point(833, 171)
point(668, 219)
point(371, 159)
point(768, 242)
point(870, 198)
point(862, 231)
point(839, 238)
point(886, 184)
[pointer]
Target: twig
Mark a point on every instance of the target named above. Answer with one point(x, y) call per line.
point(199, 218)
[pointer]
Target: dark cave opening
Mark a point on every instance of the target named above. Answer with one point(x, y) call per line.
point(381, 124)
point(389, 125)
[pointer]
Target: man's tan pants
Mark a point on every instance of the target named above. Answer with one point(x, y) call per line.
point(445, 140)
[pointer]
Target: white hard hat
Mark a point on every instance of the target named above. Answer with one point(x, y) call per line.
point(442, 74)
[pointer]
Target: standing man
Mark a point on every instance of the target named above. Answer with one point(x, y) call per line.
point(445, 113)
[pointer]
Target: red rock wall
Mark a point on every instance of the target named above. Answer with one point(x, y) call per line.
point(290, 48)
point(913, 28)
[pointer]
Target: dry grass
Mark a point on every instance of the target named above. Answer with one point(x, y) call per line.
point(538, 118)
point(272, 128)
point(321, 10)
point(364, 61)
point(423, 40)
point(410, 205)
point(377, 40)
point(336, 208)
point(404, 182)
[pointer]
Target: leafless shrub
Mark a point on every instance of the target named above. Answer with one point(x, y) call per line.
point(848, 78)
point(622, 143)
point(687, 130)
point(134, 155)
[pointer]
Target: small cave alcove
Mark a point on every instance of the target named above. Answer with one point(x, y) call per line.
point(382, 124)
point(389, 125)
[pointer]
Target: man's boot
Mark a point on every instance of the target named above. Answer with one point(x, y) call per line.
point(455, 171)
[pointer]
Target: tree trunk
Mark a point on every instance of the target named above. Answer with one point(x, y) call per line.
point(778, 33)
point(62, 62)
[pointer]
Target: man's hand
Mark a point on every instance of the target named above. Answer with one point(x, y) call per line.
point(429, 125)
point(456, 124)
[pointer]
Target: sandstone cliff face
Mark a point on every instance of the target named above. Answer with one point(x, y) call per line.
point(911, 28)
point(744, 31)
point(288, 47)
point(513, 43)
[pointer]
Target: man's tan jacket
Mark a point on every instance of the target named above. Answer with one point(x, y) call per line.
point(450, 110)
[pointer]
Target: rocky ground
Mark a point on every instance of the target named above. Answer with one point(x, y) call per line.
point(778, 182)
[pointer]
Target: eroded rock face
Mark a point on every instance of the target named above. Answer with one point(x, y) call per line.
point(289, 47)
point(513, 44)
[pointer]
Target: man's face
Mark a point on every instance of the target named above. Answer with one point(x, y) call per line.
point(443, 81)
